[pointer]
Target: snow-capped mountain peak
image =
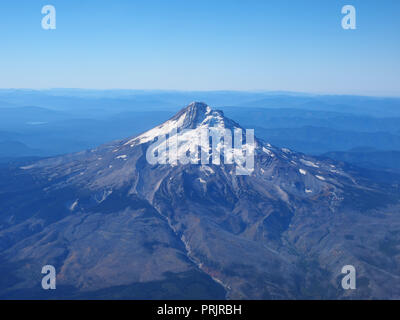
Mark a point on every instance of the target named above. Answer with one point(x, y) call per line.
point(197, 115)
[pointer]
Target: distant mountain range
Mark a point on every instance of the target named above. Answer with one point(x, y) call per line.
point(116, 226)
point(369, 158)
point(55, 122)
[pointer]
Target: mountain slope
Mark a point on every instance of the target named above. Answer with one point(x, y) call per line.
point(107, 218)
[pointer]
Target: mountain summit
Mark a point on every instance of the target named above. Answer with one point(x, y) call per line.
point(115, 225)
point(196, 115)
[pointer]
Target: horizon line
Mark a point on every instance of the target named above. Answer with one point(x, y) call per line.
point(255, 91)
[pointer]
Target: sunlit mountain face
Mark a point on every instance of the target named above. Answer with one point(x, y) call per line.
point(116, 225)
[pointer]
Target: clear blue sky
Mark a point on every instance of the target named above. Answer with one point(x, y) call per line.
point(295, 45)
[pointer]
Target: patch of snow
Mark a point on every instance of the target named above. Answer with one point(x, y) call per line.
point(240, 170)
point(27, 167)
point(104, 196)
point(303, 172)
point(283, 195)
point(73, 206)
point(308, 191)
point(124, 156)
point(207, 169)
point(309, 163)
point(267, 151)
point(320, 178)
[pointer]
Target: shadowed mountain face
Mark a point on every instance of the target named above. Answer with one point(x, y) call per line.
point(116, 226)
